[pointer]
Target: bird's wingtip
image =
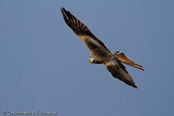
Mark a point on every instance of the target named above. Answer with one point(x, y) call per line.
point(135, 86)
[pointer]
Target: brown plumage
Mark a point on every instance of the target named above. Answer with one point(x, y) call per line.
point(100, 54)
point(124, 59)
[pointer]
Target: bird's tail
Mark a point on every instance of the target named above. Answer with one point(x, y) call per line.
point(124, 59)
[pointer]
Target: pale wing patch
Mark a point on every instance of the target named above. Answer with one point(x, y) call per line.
point(87, 39)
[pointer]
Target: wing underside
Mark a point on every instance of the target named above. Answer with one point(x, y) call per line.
point(119, 73)
point(98, 49)
point(80, 29)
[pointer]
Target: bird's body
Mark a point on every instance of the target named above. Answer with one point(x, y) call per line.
point(100, 54)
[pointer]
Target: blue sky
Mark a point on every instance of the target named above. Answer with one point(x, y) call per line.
point(44, 66)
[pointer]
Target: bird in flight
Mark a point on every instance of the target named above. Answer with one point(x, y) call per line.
point(100, 54)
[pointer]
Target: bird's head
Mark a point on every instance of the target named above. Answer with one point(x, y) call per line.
point(91, 60)
point(94, 60)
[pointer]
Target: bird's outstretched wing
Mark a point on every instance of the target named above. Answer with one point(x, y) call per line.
point(81, 30)
point(119, 71)
point(124, 59)
point(98, 49)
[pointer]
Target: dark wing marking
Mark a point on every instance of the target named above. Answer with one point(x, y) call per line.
point(124, 59)
point(121, 74)
point(80, 29)
point(118, 70)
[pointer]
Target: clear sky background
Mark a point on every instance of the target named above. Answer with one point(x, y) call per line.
point(44, 66)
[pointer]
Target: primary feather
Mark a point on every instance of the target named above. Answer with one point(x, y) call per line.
point(99, 52)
